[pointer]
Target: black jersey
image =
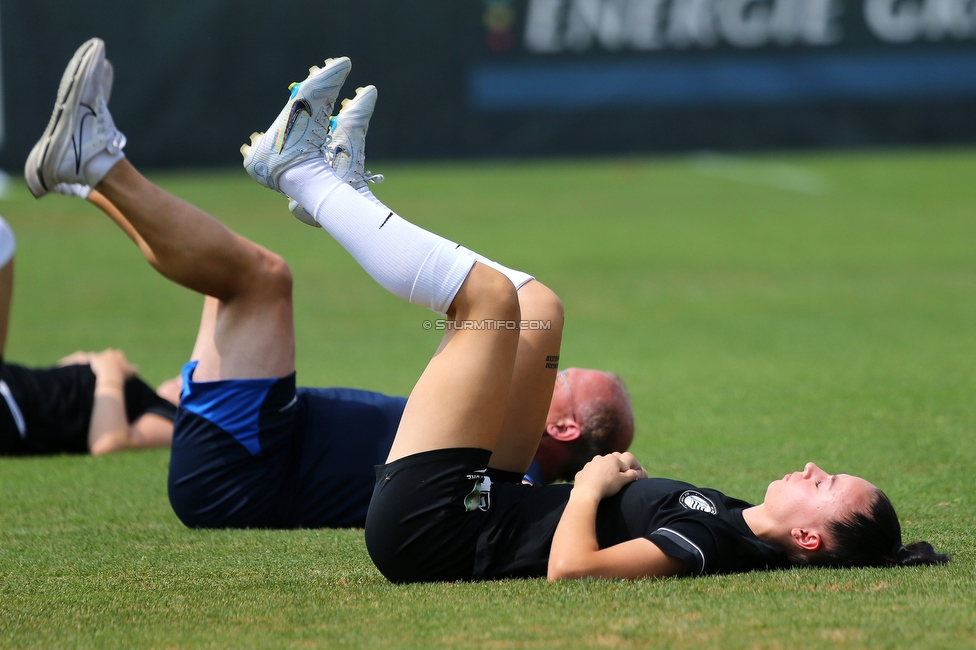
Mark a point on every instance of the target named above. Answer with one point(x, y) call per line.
point(48, 410)
point(701, 527)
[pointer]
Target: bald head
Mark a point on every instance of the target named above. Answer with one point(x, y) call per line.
point(603, 408)
point(590, 415)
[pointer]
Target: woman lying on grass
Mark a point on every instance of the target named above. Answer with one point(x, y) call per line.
point(449, 504)
point(91, 402)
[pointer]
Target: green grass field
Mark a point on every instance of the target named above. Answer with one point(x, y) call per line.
point(765, 311)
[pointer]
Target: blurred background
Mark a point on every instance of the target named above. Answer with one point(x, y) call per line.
point(488, 78)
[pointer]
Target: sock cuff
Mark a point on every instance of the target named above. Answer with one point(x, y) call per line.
point(440, 278)
point(368, 193)
point(311, 172)
point(518, 278)
point(8, 243)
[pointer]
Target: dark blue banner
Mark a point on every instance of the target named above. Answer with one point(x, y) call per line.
point(565, 55)
point(512, 77)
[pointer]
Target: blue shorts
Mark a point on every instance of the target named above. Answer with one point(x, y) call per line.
point(232, 460)
point(259, 453)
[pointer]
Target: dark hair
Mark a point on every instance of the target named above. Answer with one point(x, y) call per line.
point(873, 539)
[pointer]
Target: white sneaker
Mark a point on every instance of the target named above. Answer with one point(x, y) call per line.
point(77, 189)
point(108, 78)
point(301, 129)
point(80, 143)
point(346, 148)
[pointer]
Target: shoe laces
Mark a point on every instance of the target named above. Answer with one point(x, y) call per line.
point(319, 135)
point(115, 140)
point(365, 176)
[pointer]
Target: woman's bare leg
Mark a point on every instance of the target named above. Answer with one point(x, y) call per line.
point(254, 333)
point(459, 400)
point(536, 365)
point(208, 319)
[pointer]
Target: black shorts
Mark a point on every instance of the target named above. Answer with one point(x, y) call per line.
point(425, 515)
point(435, 517)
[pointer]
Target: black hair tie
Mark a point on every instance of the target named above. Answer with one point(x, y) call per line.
point(902, 553)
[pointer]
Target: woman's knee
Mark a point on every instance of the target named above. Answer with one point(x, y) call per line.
point(486, 293)
point(538, 302)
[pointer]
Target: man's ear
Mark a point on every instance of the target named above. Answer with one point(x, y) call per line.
point(563, 430)
point(808, 540)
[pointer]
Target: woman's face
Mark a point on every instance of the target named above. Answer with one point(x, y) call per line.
point(812, 498)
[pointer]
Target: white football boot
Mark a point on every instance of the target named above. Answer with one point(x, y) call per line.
point(301, 130)
point(80, 143)
point(345, 150)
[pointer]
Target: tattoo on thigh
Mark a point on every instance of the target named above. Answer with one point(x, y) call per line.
point(552, 361)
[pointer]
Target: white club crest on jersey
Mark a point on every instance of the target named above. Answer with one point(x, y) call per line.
point(697, 501)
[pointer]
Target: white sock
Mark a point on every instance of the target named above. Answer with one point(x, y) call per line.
point(518, 278)
point(365, 191)
point(418, 266)
point(8, 244)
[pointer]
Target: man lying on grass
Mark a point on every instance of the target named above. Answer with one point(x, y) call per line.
point(90, 402)
point(249, 449)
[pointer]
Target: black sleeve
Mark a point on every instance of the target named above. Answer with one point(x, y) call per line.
point(140, 399)
point(687, 540)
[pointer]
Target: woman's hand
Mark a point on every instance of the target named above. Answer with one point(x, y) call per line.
point(79, 358)
point(111, 364)
point(604, 476)
point(576, 552)
point(107, 363)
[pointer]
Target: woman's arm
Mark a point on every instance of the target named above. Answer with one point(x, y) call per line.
point(575, 551)
point(108, 429)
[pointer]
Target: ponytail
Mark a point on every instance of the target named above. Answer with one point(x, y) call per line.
point(873, 539)
point(918, 553)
